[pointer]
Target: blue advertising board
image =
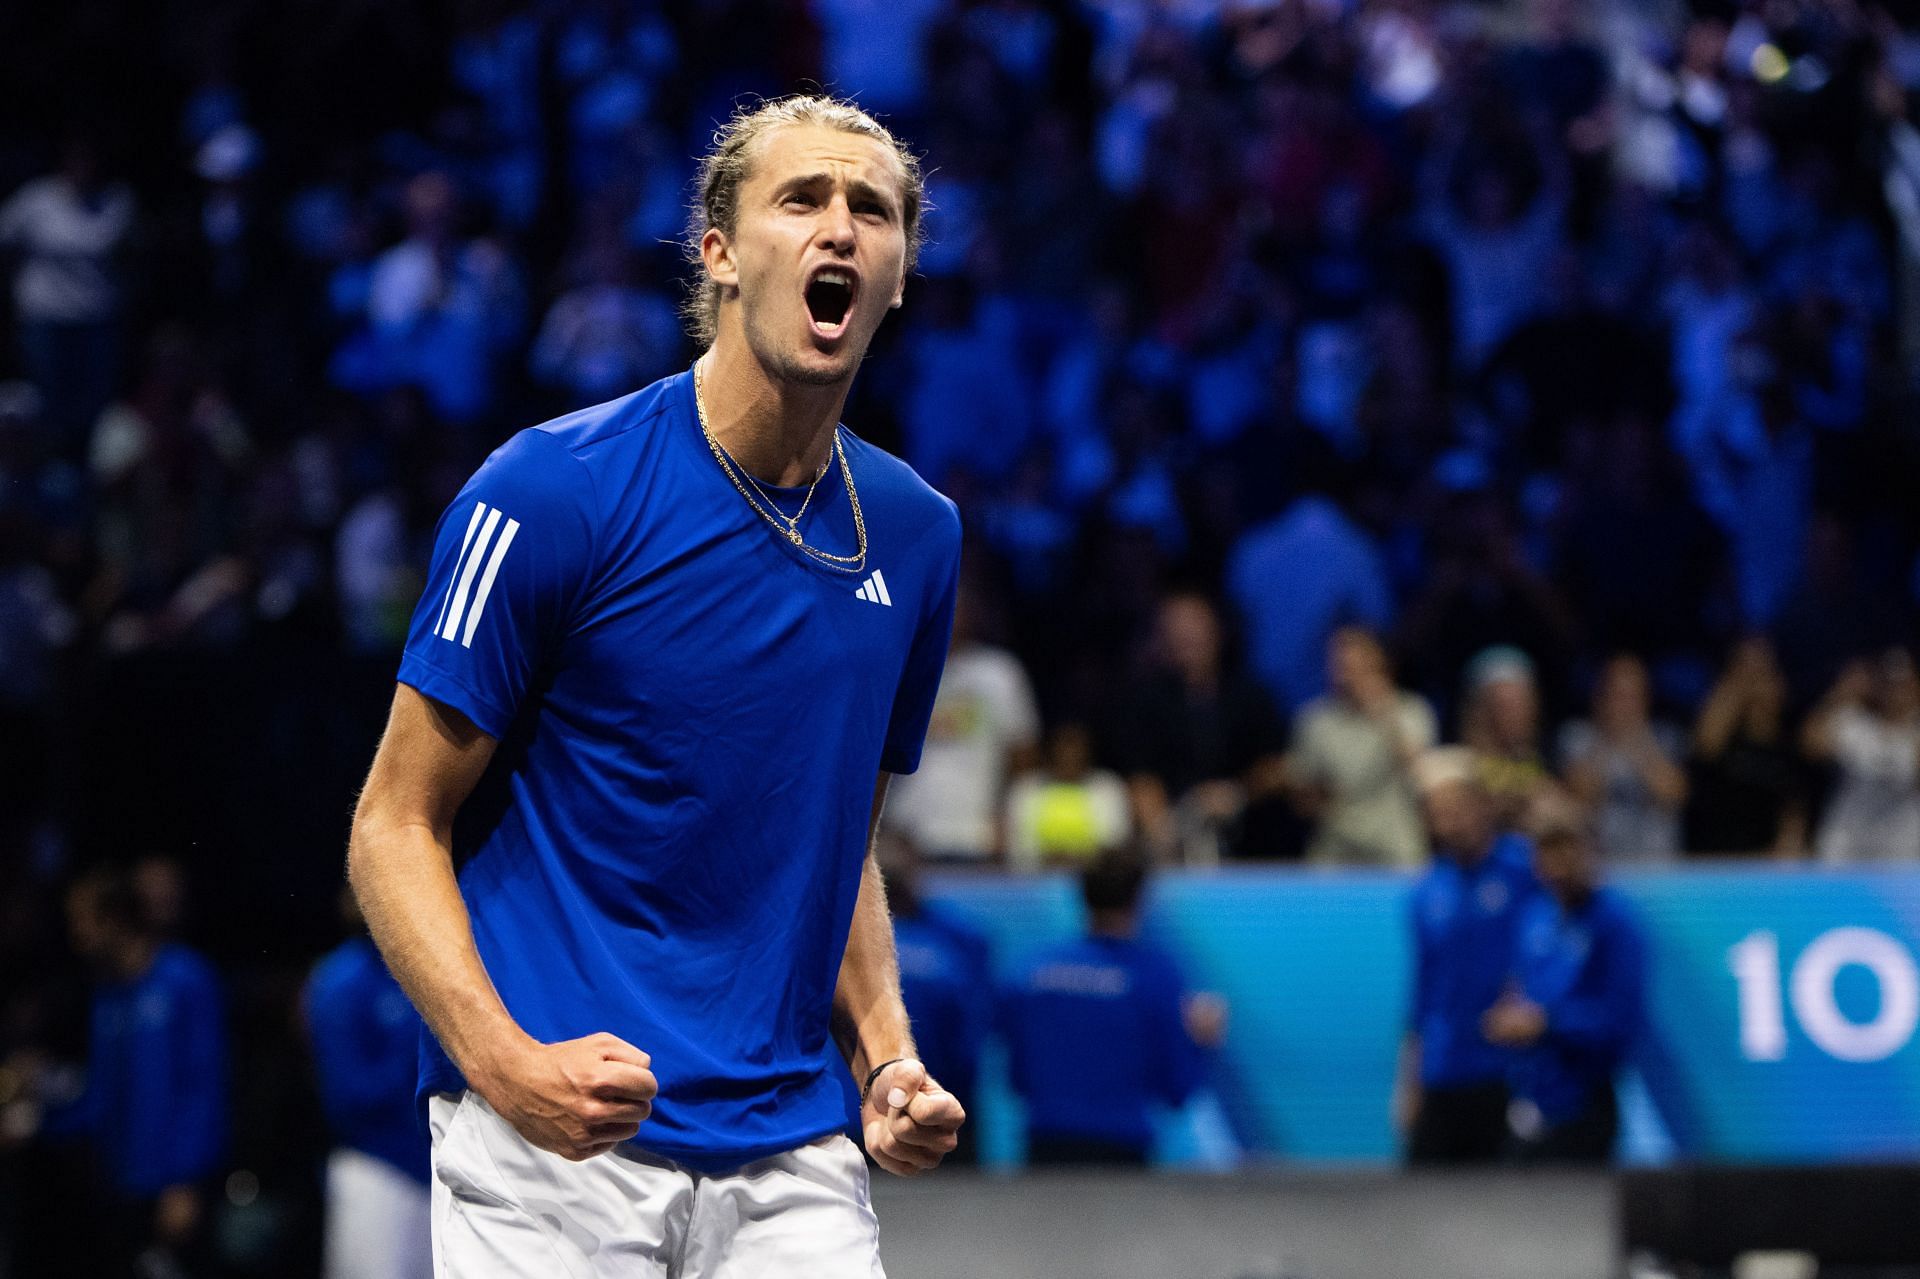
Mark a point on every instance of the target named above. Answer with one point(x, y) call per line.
point(1782, 1009)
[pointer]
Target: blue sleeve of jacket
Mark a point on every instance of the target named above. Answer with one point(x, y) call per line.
point(1009, 1015)
point(1182, 1064)
point(1605, 1015)
point(200, 1096)
point(358, 1072)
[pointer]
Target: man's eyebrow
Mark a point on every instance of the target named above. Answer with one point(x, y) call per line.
point(858, 188)
point(866, 190)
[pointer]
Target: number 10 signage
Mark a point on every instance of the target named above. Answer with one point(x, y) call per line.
point(1783, 1009)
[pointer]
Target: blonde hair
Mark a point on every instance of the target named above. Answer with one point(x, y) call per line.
point(729, 162)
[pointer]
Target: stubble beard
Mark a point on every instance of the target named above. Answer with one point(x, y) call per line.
point(784, 365)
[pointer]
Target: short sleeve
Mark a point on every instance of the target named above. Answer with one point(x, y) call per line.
point(920, 680)
point(511, 560)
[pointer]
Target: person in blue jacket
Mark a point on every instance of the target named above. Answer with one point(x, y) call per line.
point(946, 977)
point(366, 1040)
point(153, 1110)
point(1101, 1031)
point(1451, 1099)
point(1576, 1009)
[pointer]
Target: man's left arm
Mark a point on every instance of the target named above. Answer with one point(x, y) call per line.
point(909, 1121)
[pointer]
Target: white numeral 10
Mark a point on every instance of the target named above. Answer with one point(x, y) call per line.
point(1763, 1030)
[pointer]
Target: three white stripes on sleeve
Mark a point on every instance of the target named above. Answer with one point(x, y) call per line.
point(456, 605)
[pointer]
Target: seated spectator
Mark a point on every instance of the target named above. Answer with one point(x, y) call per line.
point(152, 1115)
point(1451, 1099)
point(1101, 1032)
point(1868, 728)
point(1203, 744)
point(1577, 1002)
point(1747, 789)
point(1626, 768)
point(984, 731)
point(1068, 810)
point(1353, 752)
point(946, 982)
point(1500, 724)
point(366, 1048)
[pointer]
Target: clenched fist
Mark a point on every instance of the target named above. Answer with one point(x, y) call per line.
point(578, 1098)
point(909, 1121)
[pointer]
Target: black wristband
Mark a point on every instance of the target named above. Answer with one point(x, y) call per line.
point(875, 1074)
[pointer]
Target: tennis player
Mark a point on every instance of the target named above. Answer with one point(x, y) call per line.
point(686, 636)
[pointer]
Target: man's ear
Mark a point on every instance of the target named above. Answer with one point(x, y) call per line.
point(716, 250)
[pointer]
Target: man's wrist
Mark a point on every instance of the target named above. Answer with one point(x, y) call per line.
point(873, 1077)
point(492, 1060)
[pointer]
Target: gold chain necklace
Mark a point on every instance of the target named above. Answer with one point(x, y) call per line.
point(792, 521)
point(776, 518)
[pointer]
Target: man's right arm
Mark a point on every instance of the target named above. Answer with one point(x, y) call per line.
point(577, 1098)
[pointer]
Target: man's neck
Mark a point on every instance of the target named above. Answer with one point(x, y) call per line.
point(780, 431)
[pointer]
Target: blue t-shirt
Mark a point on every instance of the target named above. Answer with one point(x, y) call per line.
point(1587, 969)
point(1096, 1040)
point(691, 715)
point(366, 1051)
point(155, 1104)
point(1465, 920)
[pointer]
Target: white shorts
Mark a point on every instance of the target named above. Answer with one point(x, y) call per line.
point(376, 1220)
point(505, 1209)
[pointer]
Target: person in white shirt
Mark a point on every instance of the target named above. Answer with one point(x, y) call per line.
point(1625, 767)
point(1868, 727)
point(1351, 763)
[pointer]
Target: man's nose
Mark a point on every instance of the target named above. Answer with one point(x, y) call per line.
point(837, 226)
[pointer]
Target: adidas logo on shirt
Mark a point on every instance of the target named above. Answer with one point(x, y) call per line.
point(465, 602)
point(874, 590)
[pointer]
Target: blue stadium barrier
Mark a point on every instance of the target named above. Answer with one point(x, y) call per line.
point(1782, 1012)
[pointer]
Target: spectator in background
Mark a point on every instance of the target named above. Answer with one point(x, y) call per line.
point(1500, 724)
point(1626, 768)
point(985, 730)
point(1067, 810)
point(152, 1116)
point(1101, 1031)
point(1576, 1005)
point(605, 335)
point(946, 979)
point(1481, 591)
point(1868, 728)
point(1747, 791)
point(1351, 764)
point(69, 229)
point(1496, 235)
point(440, 309)
point(1297, 577)
point(366, 1047)
point(1203, 743)
point(1451, 1099)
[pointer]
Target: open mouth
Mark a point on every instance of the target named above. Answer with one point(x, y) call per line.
point(829, 299)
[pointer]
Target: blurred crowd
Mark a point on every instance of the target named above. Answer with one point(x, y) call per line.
point(1319, 380)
